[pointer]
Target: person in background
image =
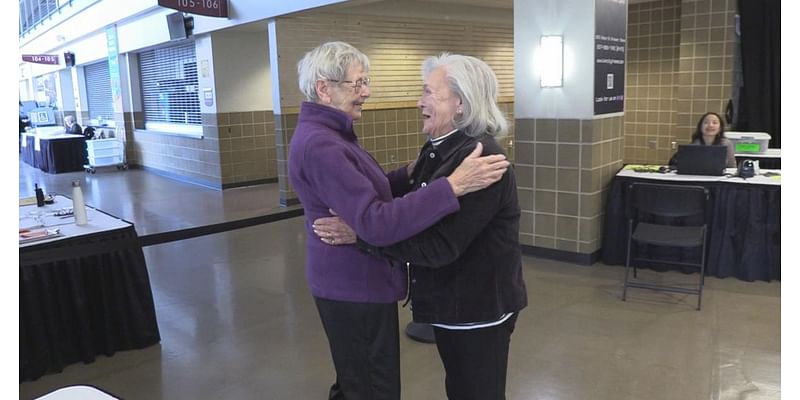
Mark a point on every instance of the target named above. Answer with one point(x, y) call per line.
point(711, 131)
point(24, 121)
point(356, 294)
point(71, 126)
point(466, 271)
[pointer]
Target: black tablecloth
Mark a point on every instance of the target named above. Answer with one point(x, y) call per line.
point(29, 154)
point(62, 155)
point(82, 297)
point(744, 239)
point(55, 155)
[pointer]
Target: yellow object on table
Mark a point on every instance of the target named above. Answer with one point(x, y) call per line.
point(27, 201)
point(642, 168)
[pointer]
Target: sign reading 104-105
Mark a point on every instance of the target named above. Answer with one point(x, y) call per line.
point(211, 8)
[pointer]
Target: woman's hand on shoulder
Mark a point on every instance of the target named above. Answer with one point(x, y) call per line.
point(476, 172)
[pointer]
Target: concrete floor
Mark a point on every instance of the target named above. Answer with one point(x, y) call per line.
point(237, 320)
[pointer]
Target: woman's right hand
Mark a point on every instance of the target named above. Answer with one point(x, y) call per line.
point(476, 172)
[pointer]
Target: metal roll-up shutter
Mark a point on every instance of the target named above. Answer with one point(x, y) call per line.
point(98, 91)
point(169, 85)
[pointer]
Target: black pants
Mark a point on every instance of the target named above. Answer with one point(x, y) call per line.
point(365, 345)
point(475, 361)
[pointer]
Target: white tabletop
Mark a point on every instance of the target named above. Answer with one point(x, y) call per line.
point(98, 221)
point(770, 153)
point(77, 392)
point(47, 133)
point(673, 176)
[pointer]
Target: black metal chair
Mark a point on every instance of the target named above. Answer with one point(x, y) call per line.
point(671, 216)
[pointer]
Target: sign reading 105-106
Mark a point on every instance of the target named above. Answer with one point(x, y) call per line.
point(211, 8)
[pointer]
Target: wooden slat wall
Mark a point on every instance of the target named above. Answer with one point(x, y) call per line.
point(396, 48)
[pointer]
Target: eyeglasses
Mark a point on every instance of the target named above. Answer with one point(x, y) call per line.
point(357, 85)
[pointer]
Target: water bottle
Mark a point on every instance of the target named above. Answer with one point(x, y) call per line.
point(78, 205)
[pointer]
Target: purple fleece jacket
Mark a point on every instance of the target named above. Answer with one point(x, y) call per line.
point(329, 170)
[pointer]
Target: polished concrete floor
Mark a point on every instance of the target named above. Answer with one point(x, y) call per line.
point(237, 320)
point(155, 204)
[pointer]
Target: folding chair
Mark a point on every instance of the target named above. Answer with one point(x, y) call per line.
point(673, 216)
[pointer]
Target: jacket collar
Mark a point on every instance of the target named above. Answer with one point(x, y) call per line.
point(328, 117)
point(449, 146)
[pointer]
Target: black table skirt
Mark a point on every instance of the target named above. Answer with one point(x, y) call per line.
point(28, 153)
point(83, 297)
point(62, 155)
point(55, 155)
point(744, 239)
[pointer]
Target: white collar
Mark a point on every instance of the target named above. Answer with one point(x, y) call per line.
point(440, 139)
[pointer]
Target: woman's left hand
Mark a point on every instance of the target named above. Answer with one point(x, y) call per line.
point(334, 231)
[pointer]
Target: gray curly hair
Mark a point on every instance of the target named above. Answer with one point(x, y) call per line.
point(327, 61)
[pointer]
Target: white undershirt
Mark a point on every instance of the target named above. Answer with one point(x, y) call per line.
point(474, 325)
point(440, 139)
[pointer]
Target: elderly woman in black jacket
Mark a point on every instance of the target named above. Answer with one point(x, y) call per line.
point(72, 127)
point(466, 274)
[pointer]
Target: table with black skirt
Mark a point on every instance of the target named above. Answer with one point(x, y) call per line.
point(744, 238)
point(84, 292)
point(54, 153)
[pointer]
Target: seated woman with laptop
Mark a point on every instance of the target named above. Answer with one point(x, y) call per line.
point(710, 152)
point(711, 131)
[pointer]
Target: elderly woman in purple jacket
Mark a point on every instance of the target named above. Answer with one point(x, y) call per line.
point(356, 294)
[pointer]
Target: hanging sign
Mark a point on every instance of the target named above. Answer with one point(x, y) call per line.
point(41, 58)
point(210, 8)
point(609, 53)
point(208, 97)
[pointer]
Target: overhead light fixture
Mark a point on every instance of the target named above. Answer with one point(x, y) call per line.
point(552, 61)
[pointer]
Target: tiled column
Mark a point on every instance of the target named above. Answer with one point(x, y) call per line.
point(565, 155)
point(285, 115)
point(285, 125)
point(564, 167)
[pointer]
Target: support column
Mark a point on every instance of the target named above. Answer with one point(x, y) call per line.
point(285, 117)
point(568, 138)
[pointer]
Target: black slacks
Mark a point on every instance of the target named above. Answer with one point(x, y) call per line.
point(365, 346)
point(475, 360)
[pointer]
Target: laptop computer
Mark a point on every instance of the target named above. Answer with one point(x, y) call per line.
point(698, 159)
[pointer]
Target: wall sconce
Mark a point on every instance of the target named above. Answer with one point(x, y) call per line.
point(552, 61)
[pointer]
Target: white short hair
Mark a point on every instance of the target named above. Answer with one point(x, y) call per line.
point(474, 82)
point(69, 119)
point(328, 61)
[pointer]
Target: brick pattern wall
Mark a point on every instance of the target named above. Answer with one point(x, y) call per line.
point(679, 66)
point(564, 167)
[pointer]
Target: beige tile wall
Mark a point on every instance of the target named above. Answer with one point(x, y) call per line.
point(285, 125)
point(651, 80)
point(193, 159)
point(679, 66)
point(564, 167)
point(247, 147)
point(236, 149)
point(706, 61)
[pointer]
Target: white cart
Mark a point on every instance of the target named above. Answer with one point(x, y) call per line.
point(104, 153)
